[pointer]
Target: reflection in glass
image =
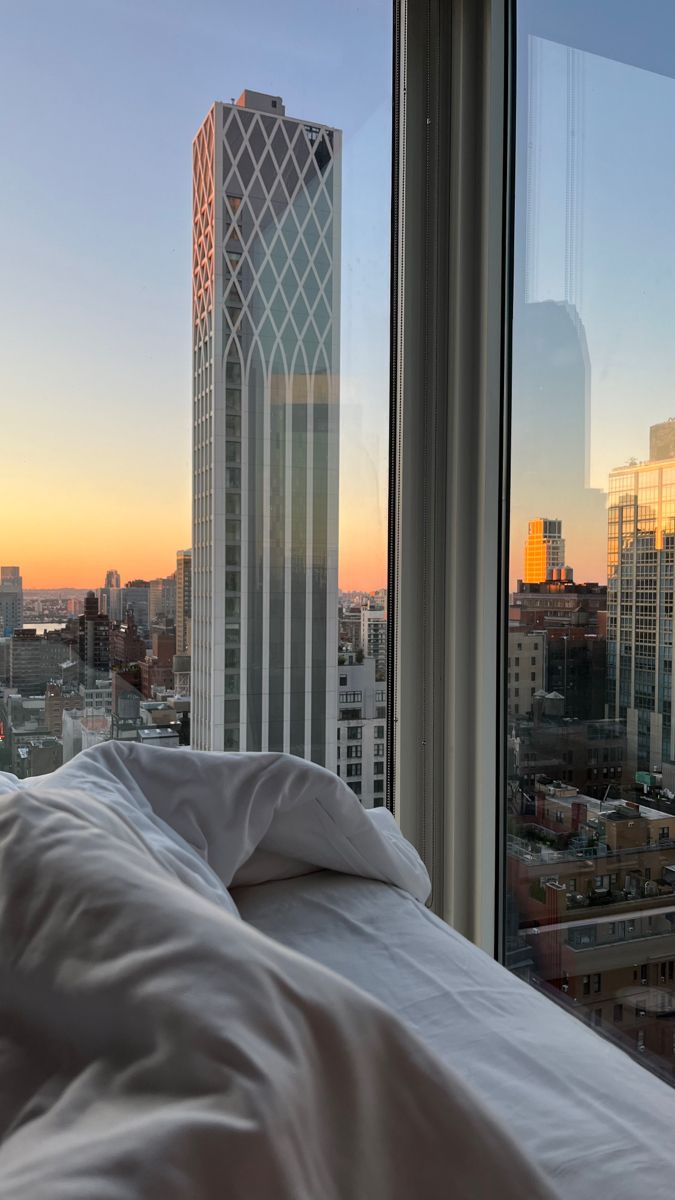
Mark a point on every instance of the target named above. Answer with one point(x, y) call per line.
point(591, 747)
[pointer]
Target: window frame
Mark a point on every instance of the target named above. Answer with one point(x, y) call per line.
point(449, 485)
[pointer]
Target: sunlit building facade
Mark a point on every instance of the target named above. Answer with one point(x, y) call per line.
point(544, 550)
point(266, 305)
point(640, 561)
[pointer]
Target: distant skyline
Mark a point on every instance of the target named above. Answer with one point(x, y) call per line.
point(98, 109)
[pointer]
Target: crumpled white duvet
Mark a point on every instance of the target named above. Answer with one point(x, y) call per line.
point(154, 1046)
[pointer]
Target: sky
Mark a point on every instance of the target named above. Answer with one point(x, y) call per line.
point(624, 294)
point(99, 102)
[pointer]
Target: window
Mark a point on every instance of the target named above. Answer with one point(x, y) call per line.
point(350, 714)
point(258, 620)
point(378, 768)
point(599, 536)
point(353, 770)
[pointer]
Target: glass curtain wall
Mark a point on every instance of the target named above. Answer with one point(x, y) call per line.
point(590, 801)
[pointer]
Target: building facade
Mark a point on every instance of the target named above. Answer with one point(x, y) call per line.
point(93, 642)
point(361, 733)
point(544, 549)
point(640, 566)
point(11, 600)
point(183, 601)
point(266, 304)
point(526, 670)
point(374, 638)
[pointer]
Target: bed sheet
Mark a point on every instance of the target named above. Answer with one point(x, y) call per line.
point(595, 1122)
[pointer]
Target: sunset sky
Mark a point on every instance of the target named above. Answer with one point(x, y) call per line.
point(98, 107)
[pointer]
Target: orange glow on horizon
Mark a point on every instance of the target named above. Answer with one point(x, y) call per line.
point(362, 565)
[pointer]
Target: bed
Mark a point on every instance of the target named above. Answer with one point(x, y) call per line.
point(595, 1122)
point(218, 978)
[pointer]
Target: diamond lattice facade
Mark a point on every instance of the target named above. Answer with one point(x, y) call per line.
point(266, 305)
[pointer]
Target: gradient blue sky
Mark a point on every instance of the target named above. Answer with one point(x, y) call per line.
point(626, 195)
point(99, 102)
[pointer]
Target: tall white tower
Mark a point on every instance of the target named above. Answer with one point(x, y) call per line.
point(266, 308)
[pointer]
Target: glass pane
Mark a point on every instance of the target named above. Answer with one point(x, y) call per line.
point(591, 742)
point(261, 451)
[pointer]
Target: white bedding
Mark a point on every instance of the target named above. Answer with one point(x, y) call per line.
point(597, 1123)
point(153, 1046)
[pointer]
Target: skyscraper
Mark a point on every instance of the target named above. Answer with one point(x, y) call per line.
point(162, 599)
point(544, 549)
point(93, 642)
point(183, 601)
point(640, 565)
point(108, 596)
point(266, 306)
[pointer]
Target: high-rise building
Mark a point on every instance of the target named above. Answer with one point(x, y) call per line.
point(374, 638)
point(183, 601)
point(11, 600)
point(136, 595)
point(162, 599)
point(33, 661)
point(544, 550)
point(94, 649)
point(107, 595)
point(266, 307)
point(640, 565)
point(126, 644)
